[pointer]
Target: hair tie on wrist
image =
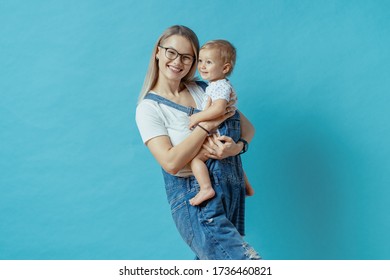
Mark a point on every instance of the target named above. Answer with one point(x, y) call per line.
point(208, 132)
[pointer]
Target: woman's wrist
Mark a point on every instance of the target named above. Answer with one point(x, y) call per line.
point(244, 144)
point(239, 147)
point(236, 148)
point(204, 129)
point(205, 125)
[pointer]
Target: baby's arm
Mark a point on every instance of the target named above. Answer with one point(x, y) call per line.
point(217, 109)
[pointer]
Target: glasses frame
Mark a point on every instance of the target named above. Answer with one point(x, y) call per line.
point(177, 54)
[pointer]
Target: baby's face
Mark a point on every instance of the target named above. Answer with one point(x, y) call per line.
point(210, 65)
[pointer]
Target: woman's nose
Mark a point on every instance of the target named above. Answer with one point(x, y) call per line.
point(177, 59)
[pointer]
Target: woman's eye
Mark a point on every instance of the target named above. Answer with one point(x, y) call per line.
point(187, 58)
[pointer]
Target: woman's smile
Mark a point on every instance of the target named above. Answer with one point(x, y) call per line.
point(175, 69)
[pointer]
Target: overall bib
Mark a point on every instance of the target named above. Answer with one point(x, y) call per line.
point(214, 230)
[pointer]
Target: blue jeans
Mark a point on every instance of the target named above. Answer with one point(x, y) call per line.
point(214, 230)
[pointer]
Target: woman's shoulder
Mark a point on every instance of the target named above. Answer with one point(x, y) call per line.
point(144, 102)
point(146, 106)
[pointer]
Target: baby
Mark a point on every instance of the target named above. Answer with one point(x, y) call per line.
point(216, 63)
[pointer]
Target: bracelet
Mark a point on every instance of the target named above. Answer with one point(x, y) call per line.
point(208, 132)
point(245, 147)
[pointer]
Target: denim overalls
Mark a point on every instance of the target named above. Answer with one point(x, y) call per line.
point(214, 229)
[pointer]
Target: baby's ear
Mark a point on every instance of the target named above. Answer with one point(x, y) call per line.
point(226, 68)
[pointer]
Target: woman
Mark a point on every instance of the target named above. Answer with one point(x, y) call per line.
point(214, 229)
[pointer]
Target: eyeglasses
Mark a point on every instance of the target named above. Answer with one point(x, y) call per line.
point(172, 54)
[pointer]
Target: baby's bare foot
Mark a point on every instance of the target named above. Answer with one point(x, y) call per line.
point(202, 196)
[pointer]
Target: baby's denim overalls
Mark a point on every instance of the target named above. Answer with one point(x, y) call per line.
point(215, 228)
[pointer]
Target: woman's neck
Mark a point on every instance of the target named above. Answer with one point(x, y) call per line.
point(168, 89)
point(177, 93)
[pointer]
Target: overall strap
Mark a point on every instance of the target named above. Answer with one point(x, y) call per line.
point(159, 99)
point(202, 84)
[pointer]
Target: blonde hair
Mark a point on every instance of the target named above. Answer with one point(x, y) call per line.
point(227, 52)
point(152, 72)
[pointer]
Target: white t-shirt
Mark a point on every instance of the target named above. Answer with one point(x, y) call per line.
point(156, 119)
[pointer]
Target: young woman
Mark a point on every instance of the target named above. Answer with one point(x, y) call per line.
point(214, 229)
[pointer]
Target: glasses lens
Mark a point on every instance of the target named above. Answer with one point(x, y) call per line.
point(171, 53)
point(187, 59)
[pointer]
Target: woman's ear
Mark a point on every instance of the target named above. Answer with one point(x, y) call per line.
point(226, 68)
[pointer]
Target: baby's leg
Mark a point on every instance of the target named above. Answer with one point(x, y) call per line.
point(248, 187)
point(201, 174)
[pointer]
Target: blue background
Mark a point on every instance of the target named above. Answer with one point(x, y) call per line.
point(76, 181)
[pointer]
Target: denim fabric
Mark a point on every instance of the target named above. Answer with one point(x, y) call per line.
point(214, 230)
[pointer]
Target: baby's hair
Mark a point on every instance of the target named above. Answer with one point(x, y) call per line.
point(226, 49)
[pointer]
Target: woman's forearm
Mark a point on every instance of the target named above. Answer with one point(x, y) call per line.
point(224, 146)
point(173, 158)
point(247, 129)
point(183, 153)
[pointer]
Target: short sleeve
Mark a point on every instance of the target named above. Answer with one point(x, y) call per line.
point(149, 121)
point(219, 90)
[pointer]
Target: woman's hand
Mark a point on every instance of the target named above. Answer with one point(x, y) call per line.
point(211, 125)
point(220, 147)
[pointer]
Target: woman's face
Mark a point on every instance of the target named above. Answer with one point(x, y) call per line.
point(177, 68)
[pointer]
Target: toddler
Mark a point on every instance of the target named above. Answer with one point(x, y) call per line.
point(216, 63)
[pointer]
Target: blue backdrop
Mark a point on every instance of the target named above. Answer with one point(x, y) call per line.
point(76, 181)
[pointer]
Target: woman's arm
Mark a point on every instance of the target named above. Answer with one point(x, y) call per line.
point(247, 129)
point(224, 146)
point(173, 158)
